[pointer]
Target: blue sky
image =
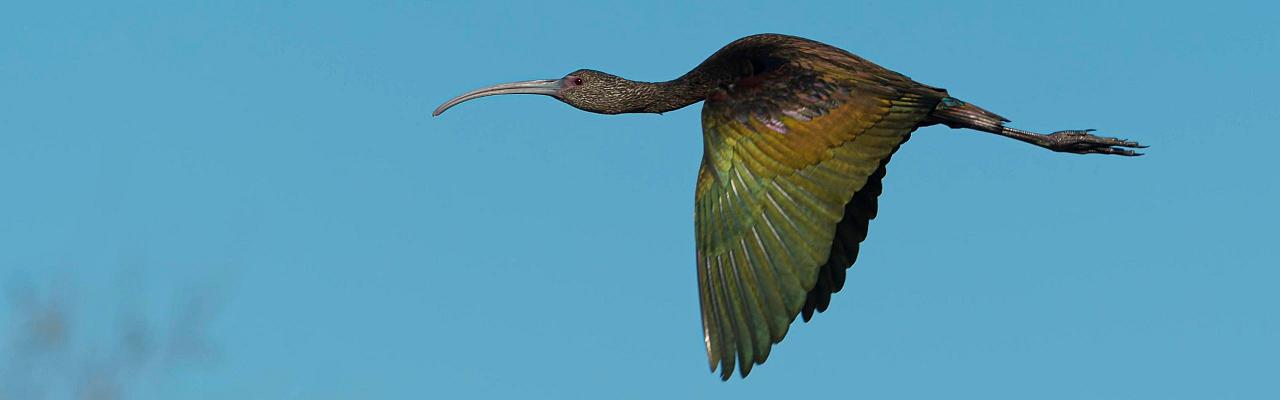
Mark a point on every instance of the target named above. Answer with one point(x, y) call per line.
point(251, 200)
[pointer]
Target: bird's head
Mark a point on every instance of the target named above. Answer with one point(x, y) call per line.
point(585, 89)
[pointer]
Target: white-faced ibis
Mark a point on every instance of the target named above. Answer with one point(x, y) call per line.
point(797, 134)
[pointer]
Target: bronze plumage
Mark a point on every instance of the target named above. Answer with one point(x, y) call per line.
point(797, 135)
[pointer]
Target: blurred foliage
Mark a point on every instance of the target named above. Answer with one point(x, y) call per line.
point(65, 341)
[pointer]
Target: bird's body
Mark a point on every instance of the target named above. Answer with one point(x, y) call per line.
point(797, 137)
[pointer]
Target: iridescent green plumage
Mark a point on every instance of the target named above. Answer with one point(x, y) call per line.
point(797, 137)
point(786, 151)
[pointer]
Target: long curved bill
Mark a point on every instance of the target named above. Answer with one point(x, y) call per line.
point(547, 87)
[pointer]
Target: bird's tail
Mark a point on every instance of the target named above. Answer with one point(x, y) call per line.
point(955, 113)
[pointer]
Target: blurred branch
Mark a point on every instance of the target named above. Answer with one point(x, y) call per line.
point(55, 352)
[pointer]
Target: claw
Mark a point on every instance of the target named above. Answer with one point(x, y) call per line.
point(1082, 142)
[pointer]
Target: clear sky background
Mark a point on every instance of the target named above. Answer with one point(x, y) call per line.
point(250, 200)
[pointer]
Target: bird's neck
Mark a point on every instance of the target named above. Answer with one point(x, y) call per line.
point(660, 97)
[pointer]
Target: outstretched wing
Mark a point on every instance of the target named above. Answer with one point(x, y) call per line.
point(794, 154)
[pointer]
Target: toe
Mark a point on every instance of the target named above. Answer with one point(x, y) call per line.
point(1115, 151)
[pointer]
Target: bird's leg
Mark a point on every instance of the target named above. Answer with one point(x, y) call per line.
point(1074, 141)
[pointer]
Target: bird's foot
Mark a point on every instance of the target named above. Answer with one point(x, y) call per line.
point(1082, 142)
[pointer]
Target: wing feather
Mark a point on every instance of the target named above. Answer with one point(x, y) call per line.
point(790, 175)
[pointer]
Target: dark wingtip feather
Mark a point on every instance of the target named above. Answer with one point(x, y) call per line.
point(807, 312)
point(824, 300)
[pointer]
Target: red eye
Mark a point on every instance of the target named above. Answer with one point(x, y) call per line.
point(577, 81)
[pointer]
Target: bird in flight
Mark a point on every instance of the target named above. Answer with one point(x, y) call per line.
point(796, 137)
